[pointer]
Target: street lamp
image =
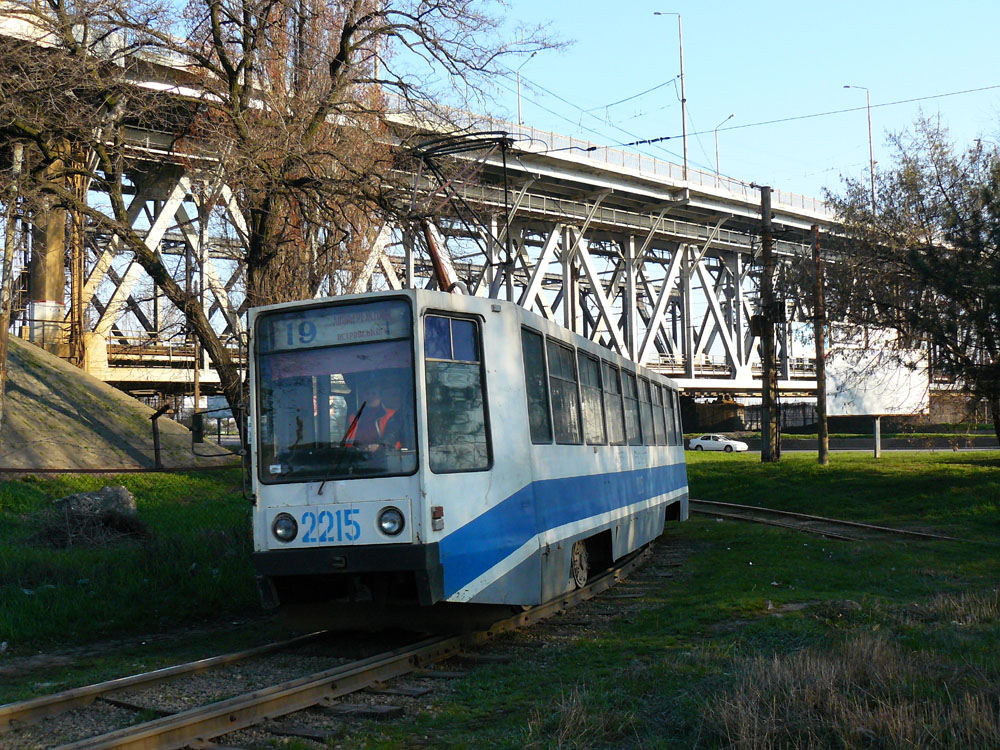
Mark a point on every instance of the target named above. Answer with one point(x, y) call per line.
point(518, 72)
point(717, 143)
point(684, 127)
point(871, 148)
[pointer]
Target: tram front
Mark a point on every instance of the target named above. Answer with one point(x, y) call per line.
point(334, 435)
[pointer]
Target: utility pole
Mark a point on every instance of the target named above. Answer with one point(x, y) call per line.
point(684, 122)
point(819, 332)
point(770, 448)
point(7, 295)
point(684, 119)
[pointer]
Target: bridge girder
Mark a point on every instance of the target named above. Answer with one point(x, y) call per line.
point(664, 277)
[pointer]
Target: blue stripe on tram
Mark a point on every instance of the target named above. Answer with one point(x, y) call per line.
point(486, 540)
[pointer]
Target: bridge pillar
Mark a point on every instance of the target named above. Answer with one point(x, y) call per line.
point(47, 280)
point(95, 360)
point(687, 319)
point(630, 305)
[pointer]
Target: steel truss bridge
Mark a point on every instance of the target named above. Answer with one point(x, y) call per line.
point(620, 247)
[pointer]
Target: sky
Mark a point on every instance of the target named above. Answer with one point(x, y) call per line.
point(761, 62)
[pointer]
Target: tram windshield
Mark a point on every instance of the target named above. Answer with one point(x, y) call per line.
point(335, 392)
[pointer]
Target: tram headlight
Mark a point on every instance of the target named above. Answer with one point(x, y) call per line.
point(284, 527)
point(391, 521)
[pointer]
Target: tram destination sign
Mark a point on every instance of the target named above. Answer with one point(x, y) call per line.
point(334, 325)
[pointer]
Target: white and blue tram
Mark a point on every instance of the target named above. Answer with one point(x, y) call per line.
point(423, 447)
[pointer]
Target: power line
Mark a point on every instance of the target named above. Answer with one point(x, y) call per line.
point(634, 96)
point(842, 111)
point(650, 141)
point(657, 140)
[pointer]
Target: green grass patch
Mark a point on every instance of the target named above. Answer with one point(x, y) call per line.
point(194, 562)
point(767, 637)
point(954, 493)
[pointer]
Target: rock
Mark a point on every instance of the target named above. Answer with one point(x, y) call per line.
point(106, 501)
point(97, 518)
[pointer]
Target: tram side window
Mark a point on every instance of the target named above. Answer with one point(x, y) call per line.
point(661, 429)
point(613, 403)
point(678, 427)
point(670, 416)
point(593, 406)
point(565, 396)
point(631, 396)
point(536, 387)
point(456, 414)
point(646, 412)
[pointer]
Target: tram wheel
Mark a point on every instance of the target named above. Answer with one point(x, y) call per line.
point(579, 564)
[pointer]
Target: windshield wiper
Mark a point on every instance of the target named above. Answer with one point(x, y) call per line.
point(352, 425)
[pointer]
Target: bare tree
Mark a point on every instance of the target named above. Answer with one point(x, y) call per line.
point(302, 108)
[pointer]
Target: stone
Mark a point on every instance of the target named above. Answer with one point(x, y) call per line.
point(106, 501)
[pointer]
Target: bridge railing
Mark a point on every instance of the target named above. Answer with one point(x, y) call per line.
point(533, 139)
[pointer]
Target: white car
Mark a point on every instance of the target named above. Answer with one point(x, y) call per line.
point(716, 443)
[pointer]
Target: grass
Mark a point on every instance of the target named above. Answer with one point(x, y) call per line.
point(193, 564)
point(763, 637)
point(957, 436)
point(768, 638)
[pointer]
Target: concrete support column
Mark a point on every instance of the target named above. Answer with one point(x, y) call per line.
point(738, 318)
point(687, 318)
point(492, 257)
point(568, 290)
point(47, 279)
point(631, 305)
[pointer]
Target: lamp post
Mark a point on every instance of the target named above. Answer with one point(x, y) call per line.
point(520, 121)
point(684, 127)
point(871, 148)
point(717, 144)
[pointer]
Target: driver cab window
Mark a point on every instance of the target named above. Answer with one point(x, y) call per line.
point(456, 412)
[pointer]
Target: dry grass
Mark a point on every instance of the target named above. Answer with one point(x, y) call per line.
point(866, 694)
point(64, 530)
point(967, 608)
point(578, 720)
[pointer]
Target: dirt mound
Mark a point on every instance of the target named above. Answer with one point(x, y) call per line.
point(58, 417)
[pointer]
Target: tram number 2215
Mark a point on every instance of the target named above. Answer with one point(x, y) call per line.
point(330, 526)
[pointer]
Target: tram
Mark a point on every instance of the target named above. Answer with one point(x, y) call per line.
point(418, 447)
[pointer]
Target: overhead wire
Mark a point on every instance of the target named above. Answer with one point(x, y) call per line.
point(850, 109)
point(656, 141)
point(634, 96)
point(637, 142)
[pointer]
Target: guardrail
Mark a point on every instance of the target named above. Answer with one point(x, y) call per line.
point(569, 147)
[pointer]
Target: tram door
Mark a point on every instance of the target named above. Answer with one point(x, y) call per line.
point(470, 458)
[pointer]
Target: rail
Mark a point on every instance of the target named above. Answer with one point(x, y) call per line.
point(810, 523)
point(216, 719)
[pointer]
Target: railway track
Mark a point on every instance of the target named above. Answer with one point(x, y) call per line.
point(831, 528)
point(195, 727)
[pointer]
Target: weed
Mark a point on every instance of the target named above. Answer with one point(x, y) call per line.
point(866, 693)
point(577, 720)
point(964, 608)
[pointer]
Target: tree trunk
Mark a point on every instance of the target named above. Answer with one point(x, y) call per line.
point(279, 260)
point(230, 379)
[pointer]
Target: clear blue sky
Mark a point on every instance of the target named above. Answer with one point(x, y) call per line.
point(760, 62)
